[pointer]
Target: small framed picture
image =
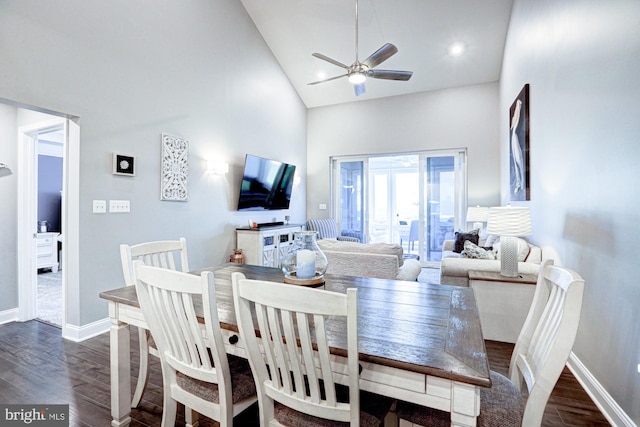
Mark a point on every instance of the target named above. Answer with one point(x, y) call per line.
point(123, 165)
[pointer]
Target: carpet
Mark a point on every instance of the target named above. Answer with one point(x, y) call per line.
point(49, 302)
point(429, 275)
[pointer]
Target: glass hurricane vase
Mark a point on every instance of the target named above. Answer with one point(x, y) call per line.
point(304, 264)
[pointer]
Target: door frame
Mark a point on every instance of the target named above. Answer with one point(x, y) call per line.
point(27, 216)
point(335, 201)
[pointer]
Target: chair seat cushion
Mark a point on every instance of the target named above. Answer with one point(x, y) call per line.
point(242, 383)
point(501, 405)
point(373, 409)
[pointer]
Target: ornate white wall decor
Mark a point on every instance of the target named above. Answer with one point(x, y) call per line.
point(175, 168)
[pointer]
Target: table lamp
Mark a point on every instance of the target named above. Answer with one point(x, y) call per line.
point(509, 223)
point(477, 215)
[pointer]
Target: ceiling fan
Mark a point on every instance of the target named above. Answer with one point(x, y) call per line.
point(359, 71)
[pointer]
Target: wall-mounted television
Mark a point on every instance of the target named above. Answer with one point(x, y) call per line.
point(266, 184)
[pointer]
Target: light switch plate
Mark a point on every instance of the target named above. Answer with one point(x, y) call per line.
point(119, 206)
point(322, 206)
point(99, 206)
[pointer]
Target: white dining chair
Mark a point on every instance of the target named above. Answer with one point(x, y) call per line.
point(196, 370)
point(295, 374)
point(539, 356)
point(169, 254)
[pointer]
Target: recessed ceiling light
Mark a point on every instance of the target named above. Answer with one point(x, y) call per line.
point(321, 75)
point(456, 49)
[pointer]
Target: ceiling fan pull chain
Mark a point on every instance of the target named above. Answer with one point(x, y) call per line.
point(356, 31)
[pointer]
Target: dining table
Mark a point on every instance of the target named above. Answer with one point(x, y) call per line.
point(417, 342)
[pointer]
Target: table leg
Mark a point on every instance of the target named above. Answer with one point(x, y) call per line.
point(120, 373)
point(465, 404)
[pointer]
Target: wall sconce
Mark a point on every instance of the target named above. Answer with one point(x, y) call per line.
point(217, 167)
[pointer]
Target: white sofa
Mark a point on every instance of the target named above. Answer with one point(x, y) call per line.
point(502, 304)
point(381, 260)
point(454, 270)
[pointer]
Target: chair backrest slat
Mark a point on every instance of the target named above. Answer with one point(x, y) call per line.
point(293, 351)
point(296, 368)
point(325, 362)
point(308, 357)
point(281, 362)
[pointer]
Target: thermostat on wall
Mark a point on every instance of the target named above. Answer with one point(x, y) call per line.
point(123, 165)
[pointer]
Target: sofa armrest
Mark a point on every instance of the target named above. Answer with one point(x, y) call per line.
point(410, 270)
point(447, 245)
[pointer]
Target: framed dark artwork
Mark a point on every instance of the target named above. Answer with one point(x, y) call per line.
point(519, 182)
point(123, 165)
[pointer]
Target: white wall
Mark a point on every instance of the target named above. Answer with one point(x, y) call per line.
point(451, 118)
point(130, 72)
point(582, 60)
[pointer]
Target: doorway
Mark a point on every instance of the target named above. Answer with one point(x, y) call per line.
point(414, 199)
point(49, 240)
point(34, 250)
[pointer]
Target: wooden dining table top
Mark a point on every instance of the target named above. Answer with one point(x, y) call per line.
point(426, 328)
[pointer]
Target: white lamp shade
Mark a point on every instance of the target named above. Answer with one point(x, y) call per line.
point(477, 214)
point(509, 221)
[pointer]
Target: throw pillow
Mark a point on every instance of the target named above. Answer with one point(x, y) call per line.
point(474, 251)
point(461, 237)
point(492, 239)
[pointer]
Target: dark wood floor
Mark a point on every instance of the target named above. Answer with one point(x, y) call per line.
point(38, 367)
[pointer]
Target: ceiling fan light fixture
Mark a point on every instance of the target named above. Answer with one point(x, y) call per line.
point(357, 78)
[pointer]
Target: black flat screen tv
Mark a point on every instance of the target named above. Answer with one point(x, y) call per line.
point(266, 184)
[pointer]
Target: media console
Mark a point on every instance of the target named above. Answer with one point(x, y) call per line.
point(267, 244)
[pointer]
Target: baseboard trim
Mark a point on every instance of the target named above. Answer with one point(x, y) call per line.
point(81, 333)
point(603, 400)
point(7, 316)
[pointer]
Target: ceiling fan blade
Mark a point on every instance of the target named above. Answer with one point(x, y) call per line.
point(331, 60)
point(390, 74)
point(380, 55)
point(328, 80)
point(360, 89)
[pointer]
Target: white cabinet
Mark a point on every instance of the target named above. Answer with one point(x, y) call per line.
point(47, 251)
point(266, 246)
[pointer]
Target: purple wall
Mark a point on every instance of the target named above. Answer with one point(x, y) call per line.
point(49, 188)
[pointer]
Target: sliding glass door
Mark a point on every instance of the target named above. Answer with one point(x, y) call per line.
point(412, 199)
point(350, 211)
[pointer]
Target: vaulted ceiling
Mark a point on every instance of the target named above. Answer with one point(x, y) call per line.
point(422, 30)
